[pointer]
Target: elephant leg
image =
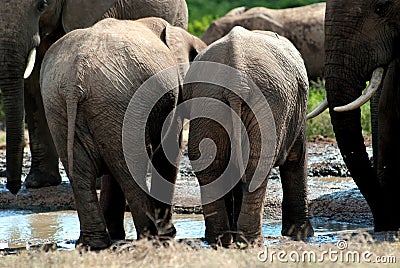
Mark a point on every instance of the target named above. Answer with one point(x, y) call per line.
point(217, 223)
point(233, 204)
point(112, 201)
point(87, 167)
point(44, 169)
point(215, 213)
point(388, 170)
point(166, 171)
point(389, 148)
point(92, 223)
point(163, 181)
point(251, 214)
point(140, 203)
point(295, 221)
point(250, 218)
point(388, 173)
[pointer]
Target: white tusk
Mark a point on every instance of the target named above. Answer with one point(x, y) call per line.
point(317, 111)
point(31, 63)
point(374, 84)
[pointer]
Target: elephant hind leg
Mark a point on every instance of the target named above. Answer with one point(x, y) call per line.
point(215, 212)
point(113, 203)
point(140, 203)
point(251, 213)
point(87, 167)
point(233, 204)
point(295, 221)
point(93, 225)
point(256, 173)
point(165, 162)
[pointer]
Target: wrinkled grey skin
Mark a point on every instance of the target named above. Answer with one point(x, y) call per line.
point(281, 76)
point(304, 26)
point(360, 37)
point(33, 23)
point(86, 94)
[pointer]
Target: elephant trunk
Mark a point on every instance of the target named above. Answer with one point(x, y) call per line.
point(343, 86)
point(12, 87)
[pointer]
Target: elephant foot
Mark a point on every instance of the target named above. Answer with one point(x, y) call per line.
point(38, 179)
point(221, 240)
point(92, 242)
point(117, 234)
point(300, 231)
point(243, 241)
point(166, 230)
point(386, 219)
point(387, 225)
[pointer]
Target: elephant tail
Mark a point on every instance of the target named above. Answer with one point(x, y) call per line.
point(236, 107)
point(72, 106)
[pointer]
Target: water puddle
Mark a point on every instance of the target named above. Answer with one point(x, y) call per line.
point(21, 229)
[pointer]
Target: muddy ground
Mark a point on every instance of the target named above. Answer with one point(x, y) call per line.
point(331, 193)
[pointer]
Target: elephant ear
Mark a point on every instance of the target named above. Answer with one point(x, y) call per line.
point(184, 46)
point(79, 14)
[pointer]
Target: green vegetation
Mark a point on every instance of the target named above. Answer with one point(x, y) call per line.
point(321, 125)
point(202, 13)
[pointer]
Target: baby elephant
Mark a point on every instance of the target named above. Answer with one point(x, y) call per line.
point(304, 26)
point(246, 95)
point(88, 79)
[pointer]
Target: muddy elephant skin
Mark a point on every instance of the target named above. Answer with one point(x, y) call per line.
point(86, 95)
point(278, 71)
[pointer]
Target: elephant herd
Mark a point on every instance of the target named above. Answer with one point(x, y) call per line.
point(107, 84)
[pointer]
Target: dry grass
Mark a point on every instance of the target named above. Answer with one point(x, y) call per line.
point(146, 254)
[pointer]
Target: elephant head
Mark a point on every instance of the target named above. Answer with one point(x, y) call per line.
point(19, 37)
point(361, 36)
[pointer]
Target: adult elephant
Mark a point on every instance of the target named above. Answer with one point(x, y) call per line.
point(101, 111)
point(363, 40)
point(34, 25)
point(251, 104)
point(304, 26)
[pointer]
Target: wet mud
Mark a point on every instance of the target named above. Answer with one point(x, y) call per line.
point(331, 193)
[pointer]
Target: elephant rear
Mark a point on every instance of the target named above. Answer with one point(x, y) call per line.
point(251, 90)
point(90, 79)
point(271, 67)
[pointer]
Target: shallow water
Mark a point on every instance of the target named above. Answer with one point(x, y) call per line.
point(18, 227)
